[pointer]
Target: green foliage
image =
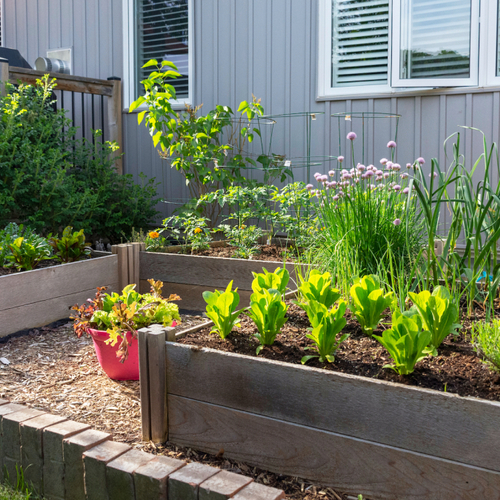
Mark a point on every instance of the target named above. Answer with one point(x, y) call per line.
point(26, 252)
point(318, 288)
point(369, 302)
point(278, 280)
point(406, 342)
point(49, 180)
point(16, 489)
point(437, 312)
point(7, 236)
point(221, 309)
point(485, 338)
point(268, 311)
point(71, 246)
point(244, 238)
point(191, 230)
point(326, 324)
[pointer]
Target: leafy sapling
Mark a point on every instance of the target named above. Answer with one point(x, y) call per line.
point(27, 252)
point(266, 280)
point(369, 302)
point(406, 342)
point(318, 288)
point(326, 324)
point(221, 309)
point(438, 314)
point(267, 311)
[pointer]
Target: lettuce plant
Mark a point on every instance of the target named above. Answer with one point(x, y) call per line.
point(437, 312)
point(267, 281)
point(318, 288)
point(326, 324)
point(406, 342)
point(71, 246)
point(267, 310)
point(369, 302)
point(221, 309)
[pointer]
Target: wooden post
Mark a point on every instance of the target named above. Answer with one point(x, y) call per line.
point(153, 383)
point(4, 76)
point(123, 280)
point(136, 247)
point(115, 120)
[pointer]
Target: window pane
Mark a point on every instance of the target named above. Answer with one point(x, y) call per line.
point(360, 42)
point(162, 34)
point(435, 38)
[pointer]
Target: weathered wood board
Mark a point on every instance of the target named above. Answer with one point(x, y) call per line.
point(425, 421)
point(35, 298)
point(190, 275)
point(349, 464)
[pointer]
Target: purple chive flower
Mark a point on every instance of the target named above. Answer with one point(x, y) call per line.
point(396, 166)
point(420, 160)
point(406, 190)
point(386, 175)
point(317, 175)
point(383, 161)
point(379, 172)
point(408, 165)
point(340, 159)
point(336, 197)
point(434, 175)
point(404, 176)
point(369, 173)
point(344, 171)
point(351, 136)
point(379, 178)
point(323, 178)
point(361, 168)
point(397, 222)
point(347, 176)
point(391, 144)
point(309, 187)
point(333, 183)
point(397, 187)
point(331, 173)
point(389, 165)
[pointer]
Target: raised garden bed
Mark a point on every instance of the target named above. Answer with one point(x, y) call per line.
point(190, 275)
point(35, 298)
point(358, 434)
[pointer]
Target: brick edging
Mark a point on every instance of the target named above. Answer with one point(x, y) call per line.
point(67, 460)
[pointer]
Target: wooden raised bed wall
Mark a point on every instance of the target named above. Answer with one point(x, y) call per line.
point(31, 299)
point(190, 275)
point(359, 435)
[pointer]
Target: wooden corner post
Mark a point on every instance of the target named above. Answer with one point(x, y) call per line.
point(4, 76)
point(115, 120)
point(153, 383)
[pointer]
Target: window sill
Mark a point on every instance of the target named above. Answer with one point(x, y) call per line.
point(409, 93)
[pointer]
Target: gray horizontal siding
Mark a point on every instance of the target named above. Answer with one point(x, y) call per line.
point(265, 47)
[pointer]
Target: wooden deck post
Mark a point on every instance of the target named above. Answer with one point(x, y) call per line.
point(4, 76)
point(153, 383)
point(115, 120)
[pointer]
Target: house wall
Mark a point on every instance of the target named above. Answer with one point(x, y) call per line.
point(265, 47)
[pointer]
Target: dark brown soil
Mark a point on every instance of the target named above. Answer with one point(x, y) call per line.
point(457, 368)
point(271, 253)
point(45, 263)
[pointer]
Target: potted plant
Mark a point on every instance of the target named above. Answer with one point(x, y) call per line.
point(113, 320)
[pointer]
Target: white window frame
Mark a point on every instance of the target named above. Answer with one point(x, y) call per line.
point(129, 84)
point(472, 81)
point(483, 39)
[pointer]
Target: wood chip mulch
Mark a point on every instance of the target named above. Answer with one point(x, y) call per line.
point(52, 370)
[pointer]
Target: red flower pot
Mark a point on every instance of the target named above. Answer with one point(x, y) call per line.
point(110, 362)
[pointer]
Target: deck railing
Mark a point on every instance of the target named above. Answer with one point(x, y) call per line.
point(109, 113)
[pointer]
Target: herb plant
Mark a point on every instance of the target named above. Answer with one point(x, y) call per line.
point(326, 324)
point(191, 230)
point(406, 342)
point(485, 337)
point(71, 246)
point(244, 238)
point(318, 288)
point(268, 311)
point(277, 280)
point(438, 313)
point(369, 302)
point(221, 309)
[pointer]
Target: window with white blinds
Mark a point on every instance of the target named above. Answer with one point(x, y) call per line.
point(162, 33)
point(379, 45)
point(360, 42)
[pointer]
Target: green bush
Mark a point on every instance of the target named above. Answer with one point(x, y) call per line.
point(49, 180)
